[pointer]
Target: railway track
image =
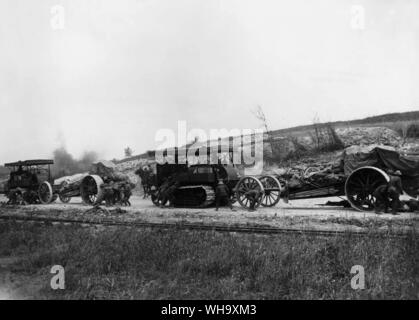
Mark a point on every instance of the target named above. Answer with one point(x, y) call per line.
point(203, 227)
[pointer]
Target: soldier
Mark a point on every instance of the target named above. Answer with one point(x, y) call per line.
point(144, 174)
point(395, 189)
point(285, 193)
point(167, 193)
point(381, 199)
point(161, 195)
point(253, 195)
point(222, 195)
point(126, 191)
point(12, 197)
point(387, 195)
point(108, 195)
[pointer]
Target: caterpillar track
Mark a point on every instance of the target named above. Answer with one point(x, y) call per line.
point(199, 196)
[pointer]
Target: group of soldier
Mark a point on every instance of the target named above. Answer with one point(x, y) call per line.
point(20, 196)
point(117, 193)
point(388, 196)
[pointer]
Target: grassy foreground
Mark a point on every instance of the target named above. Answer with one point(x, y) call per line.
point(124, 263)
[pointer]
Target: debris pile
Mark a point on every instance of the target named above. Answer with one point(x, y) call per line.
point(366, 136)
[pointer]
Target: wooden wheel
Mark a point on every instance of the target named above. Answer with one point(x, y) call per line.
point(360, 186)
point(45, 193)
point(272, 191)
point(245, 185)
point(90, 189)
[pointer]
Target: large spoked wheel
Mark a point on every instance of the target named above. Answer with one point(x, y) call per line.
point(245, 187)
point(45, 193)
point(90, 189)
point(272, 191)
point(360, 186)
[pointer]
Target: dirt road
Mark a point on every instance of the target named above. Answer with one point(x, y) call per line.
point(297, 214)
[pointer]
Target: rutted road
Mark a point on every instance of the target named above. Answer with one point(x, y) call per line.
point(298, 214)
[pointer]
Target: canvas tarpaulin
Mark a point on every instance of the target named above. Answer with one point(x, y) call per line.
point(386, 158)
point(108, 169)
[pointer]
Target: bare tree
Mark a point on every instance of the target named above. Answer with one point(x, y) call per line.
point(128, 152)
point(260, 115)
point(324, 136)
point(403, 130)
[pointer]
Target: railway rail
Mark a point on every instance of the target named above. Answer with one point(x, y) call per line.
point(206, 227)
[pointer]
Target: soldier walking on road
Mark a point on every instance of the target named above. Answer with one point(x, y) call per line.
point(381, 199)
point(170, 194)
point(222, 195)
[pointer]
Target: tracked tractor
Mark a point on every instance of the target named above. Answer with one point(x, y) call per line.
point(196, 183)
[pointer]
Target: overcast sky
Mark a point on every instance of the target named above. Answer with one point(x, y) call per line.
point(111, 73)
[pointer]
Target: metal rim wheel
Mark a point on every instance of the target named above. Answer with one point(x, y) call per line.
point(90, 189)
point(45, 193)
point(64, 199)
point(272, 191)
point(246, 184)
point(360, 186)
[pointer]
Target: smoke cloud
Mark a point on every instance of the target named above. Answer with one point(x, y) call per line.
point(65, 164)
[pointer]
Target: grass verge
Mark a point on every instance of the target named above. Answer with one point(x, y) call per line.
point(127, 263)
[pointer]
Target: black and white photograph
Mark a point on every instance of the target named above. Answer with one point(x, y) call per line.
point(209, 155)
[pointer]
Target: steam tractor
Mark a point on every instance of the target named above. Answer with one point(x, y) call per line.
point(25, 181)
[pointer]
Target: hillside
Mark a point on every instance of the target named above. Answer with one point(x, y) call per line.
point(380, 120)
point(382, 129)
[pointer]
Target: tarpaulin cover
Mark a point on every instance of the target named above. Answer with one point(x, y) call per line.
point(386, 158)
point(108, 169)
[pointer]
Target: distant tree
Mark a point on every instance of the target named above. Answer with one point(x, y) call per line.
point(128, 152)
point(260, 115)
point(324, 136)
